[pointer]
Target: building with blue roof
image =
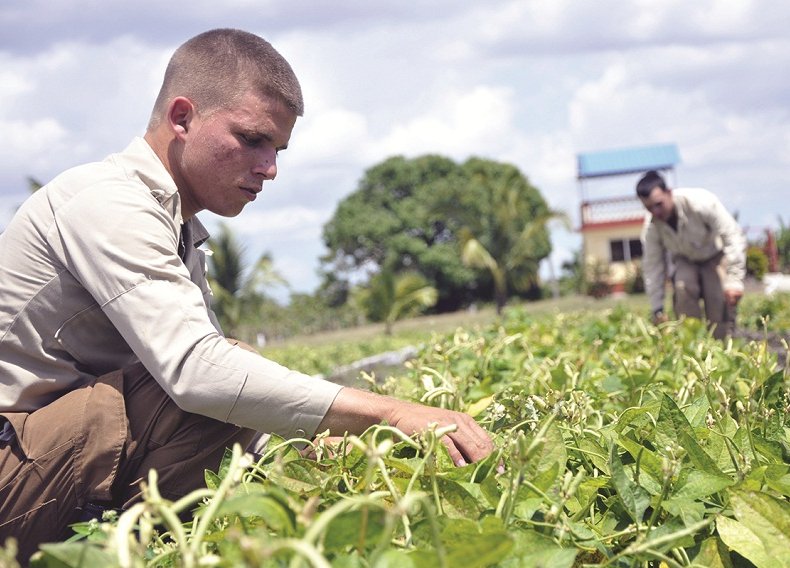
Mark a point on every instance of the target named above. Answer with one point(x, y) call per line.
point(611, 215)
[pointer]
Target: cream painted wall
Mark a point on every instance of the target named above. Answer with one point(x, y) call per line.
point(597, 252)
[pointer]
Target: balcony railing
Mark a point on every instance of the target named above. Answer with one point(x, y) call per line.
point(612, 211)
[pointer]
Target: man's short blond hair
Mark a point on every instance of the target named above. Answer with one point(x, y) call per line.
point(215, 68)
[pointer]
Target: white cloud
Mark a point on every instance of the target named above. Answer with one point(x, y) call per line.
point(477, 122)
point(332, 136)
point(26, 138)
point(524, 81)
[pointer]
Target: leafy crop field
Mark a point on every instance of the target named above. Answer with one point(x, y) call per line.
point(618, 444)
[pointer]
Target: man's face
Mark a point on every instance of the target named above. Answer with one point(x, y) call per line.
point(659, 203)
point(227, 154)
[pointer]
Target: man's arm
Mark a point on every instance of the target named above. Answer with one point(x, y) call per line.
point(734, 248)
point(355, 410)
point(654, 268)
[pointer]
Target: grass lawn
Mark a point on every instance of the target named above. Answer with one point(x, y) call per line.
point(322, 352)
point(446, 323)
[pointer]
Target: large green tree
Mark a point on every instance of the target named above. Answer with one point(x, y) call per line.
point(417, 214)
point(394, 219)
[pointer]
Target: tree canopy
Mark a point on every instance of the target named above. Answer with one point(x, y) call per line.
point(416, 214)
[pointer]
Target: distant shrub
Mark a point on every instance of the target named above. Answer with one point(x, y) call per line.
point(756, 262)
point(635, 282)
point(766, 312)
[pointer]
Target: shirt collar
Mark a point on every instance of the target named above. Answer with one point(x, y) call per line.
point(199, 232)
point(141, 159)
point(142, 162)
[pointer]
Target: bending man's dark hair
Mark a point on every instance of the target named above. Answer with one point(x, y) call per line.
point(649, 182)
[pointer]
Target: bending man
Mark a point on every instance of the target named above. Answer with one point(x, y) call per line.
point(690, 236)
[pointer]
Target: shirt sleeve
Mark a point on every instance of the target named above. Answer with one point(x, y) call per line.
point(654, 265)
point(122, 247)
point(733, 241)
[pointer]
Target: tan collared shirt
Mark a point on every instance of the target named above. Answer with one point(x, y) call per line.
point(91, 280)
point(705, 228)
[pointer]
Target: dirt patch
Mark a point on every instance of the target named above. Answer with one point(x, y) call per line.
point(774, 342)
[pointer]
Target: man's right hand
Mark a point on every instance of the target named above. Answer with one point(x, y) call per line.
point(659, 317)
point(355, 410)
point(732, 297)
point(468, 443)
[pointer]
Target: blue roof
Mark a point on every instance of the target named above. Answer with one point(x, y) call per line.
point(627, 160)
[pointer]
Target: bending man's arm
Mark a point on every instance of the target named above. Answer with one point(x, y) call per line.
point(654, 268)
point(734, 248)
point(355, 410)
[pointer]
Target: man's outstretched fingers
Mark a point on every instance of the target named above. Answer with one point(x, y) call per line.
point(471, 440)
point(455, 454)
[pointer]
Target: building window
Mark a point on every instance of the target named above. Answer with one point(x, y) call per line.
point(624, 250)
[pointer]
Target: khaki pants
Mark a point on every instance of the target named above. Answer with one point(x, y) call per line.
point(695, 281)
point(92, 446)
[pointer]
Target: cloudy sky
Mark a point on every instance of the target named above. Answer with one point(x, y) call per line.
point(530, 82)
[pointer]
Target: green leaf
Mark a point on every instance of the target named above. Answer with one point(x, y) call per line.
point(212, 479)
point(74, 555)
point(771, 384)
point(456, 502)
point(777, 477)
point(696, 412)
point(297, 476)
point(476, 408)
point(359, 529)
point(768, 519)
point(595, 453)
point(739, 538)
point(637, 417)
point(397, 559)
point(472, 545)
point(712, 554)
point(634, 498)
point(771, 450)
point(273, 512)
point(651, 470)
point(695, 484)
point(671, 424)
point(699, 458)
point(550, 453)
point(536, 550)
point(687, 510)
point(491, 490)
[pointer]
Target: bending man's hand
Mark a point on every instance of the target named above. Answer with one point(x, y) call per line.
point(732, 296)
point(354, 411)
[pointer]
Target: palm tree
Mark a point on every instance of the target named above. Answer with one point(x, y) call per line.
point(238, 292)
point(510, 238)
point(390, 297)
point(513, 261)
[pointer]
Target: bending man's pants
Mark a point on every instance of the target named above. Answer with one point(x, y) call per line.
point(695, 281)
point(93, 446)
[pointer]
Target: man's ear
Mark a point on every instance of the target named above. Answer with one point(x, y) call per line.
point(180, 113)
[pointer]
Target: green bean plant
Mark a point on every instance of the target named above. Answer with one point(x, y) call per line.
point(617, 443)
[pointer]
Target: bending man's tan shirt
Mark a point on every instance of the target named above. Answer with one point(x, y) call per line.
point(704, 229)
point(91, 280)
